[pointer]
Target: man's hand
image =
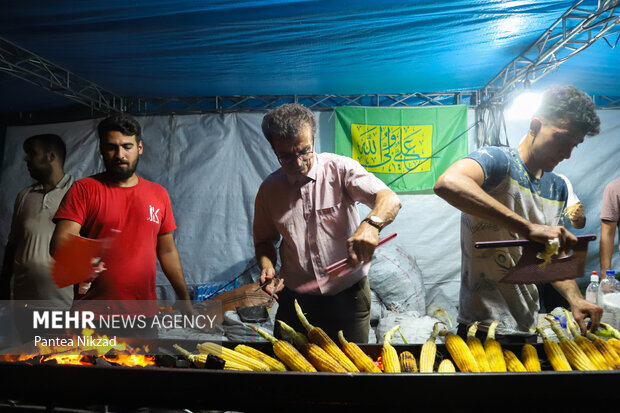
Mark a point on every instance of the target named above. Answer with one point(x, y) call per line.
point(362, 243)
point(582, 309)
point(269, 283)
point(185, 306)
point(543, 233)
point(576, 214)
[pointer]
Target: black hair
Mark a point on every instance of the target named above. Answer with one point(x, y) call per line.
point(120, 122)
point(568, 102)
point(287, 121)
point(49, 142)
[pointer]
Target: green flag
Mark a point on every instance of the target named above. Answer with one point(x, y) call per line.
point(401, 146)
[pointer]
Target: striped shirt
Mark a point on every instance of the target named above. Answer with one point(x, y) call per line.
point(314, 218)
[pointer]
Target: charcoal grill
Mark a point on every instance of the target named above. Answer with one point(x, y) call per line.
point(291, 391)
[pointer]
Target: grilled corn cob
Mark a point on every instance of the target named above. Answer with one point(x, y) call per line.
point(615, 344)
point(446, 366)
point(199, 360)
point(576, 357)
point(389, 357)
point(493, 350)
point(554, 353)
point(512, 362)
point(320, 338)
point(460, 353)
point(361, 360)
point(407, 362)
point(286, 352)
point(315, 354)
point(610, 355)
point(595, 356)
point(477, 349)
point(273, 364)
point(529, 356)
point(429, 351)
point(231, 355)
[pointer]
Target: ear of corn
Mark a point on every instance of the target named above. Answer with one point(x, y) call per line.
point(286, 352)
point(273, 364)
point(493, 350)
point(446, 366)
point(529, 356)
point(586, 345)
point(231, 355)
point(361, 360)
point(615, 344)
point(298, 339)
point(476, 348)
point(610, 355)
point(554, 353)
point(429, 352)
point(321, 360)
point(200, 360)
point(611, 330)
point(461, 354)
point(320, 338)
point(407, 362)
point(314, 353)
point(513, 364)
point(389, 356)
point(576, 357)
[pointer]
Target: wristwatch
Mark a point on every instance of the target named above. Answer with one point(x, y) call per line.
point(375, 221)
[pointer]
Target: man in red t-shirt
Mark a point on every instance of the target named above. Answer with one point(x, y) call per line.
point(136, 212)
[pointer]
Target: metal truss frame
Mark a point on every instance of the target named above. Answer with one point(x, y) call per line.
point(21, 63)
point(574, 31)
point(188, 105)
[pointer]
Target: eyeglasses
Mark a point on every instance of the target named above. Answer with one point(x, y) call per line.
point(304, 155)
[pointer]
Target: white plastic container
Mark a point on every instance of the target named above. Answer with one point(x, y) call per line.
point(609, 299)
point(593, 287)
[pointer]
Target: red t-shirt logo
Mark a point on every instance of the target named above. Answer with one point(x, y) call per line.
point(153, 214)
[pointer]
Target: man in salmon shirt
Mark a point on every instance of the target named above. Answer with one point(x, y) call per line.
point(309, 203)
point(135, 212)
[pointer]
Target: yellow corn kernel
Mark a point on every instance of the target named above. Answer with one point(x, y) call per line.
point(529, 356)
point(476, 348)
point(389, 356)
point(320, 338)
point(321, 360)
point(231, 355)
point(461, 354)
point(586, 345)
point(513, 364)
point(361, 360)
point(407, 362)
point(493, 350)
point(610, 355)
point(286, 352)
point(446, 366)
point(199, 360)
point(429, 352)
point(554, 353)
point(273, 364)
point(575, 356)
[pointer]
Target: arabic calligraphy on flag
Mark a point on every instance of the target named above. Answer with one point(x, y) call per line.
point(388, 149)
point(407, 148)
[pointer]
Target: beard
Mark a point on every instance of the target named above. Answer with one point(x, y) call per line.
point(117, 173)
point(40, 173)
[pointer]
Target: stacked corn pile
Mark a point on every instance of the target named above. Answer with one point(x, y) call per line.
point(316, 351)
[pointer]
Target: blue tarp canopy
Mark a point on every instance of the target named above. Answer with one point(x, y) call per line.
point(272, 47)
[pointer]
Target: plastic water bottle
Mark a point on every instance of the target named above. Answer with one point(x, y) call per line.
point(609, 299)
point(593, 287)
